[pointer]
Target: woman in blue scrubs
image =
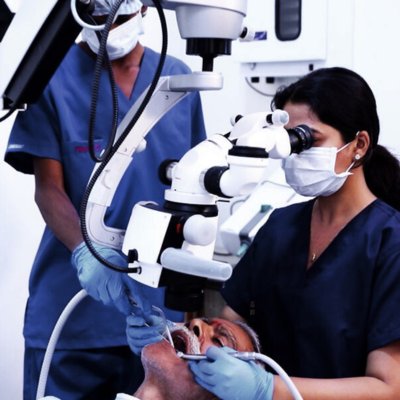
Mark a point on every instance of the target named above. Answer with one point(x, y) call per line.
point(320, 283)
point(50, 139)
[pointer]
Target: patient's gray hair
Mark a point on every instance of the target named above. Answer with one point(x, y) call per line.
point(252, 334)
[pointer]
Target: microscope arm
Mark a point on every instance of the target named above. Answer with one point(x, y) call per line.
point(169, 92)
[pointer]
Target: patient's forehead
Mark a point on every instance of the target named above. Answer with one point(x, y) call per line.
point(243, 340)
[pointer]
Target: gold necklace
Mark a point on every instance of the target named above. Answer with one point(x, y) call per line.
point(313, 257)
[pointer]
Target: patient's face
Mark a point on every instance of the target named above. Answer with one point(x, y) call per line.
point(211, 332)
point(162, 364)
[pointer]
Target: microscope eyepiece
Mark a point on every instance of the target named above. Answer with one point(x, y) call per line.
point(301, 138)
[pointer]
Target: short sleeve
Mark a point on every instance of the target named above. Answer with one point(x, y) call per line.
point(34, 134)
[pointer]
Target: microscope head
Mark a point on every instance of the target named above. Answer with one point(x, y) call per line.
point(208, 26)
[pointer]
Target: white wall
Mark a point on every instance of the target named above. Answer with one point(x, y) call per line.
point(361, 34)
point(20, 230)
point(377, 58)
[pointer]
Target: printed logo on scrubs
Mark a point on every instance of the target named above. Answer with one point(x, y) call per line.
point(85, 149)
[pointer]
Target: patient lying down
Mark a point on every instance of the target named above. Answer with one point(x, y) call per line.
point(168, 377)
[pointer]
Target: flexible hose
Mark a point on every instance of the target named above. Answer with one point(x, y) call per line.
point(44, 372)
point(80, 21)
point(251, 356)
point(8, 114)
point(99, 170)
point(62, 319)
point(285, 377)
point(101, 60)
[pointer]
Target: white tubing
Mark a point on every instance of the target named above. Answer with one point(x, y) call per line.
point(285, 377)
point(44, 372)
point(80, 21)
point(251, 356)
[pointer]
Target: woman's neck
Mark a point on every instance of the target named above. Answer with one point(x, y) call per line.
point(352, 198)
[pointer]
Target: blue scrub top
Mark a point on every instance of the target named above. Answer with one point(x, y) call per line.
point(56, 127)
point(321, 322)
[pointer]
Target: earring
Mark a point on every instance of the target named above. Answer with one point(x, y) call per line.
point(357, 157)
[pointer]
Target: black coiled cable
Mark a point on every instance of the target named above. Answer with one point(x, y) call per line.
point(120, 140)
point(101, 59)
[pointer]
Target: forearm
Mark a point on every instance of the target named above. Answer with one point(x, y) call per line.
point(60, 215)
point(54, 203)
point(381, 381)
point(360, 388)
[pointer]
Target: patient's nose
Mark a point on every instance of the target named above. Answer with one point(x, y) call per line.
point(196, 326)
point(203, 331)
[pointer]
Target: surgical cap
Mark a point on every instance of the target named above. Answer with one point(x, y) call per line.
point(103, 7)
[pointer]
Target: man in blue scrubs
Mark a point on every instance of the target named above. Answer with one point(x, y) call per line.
point(49, 140)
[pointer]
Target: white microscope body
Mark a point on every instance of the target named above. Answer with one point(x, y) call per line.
point(180, 236)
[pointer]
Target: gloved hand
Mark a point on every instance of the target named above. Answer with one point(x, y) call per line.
point(230, 378)
point(141, 332)
point(106, 285)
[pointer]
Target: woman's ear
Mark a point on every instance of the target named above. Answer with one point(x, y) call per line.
point(362, 144)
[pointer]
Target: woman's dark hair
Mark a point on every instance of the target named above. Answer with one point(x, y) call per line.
point(342, 99)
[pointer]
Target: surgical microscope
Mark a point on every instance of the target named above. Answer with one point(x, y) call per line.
point(174, 247)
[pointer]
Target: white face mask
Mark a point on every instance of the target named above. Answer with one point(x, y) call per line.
point(121, 39)
point(312, 172)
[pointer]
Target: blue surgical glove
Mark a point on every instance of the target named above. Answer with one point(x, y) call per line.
point(141, 332)
point(106, 285)
point(230, 378)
